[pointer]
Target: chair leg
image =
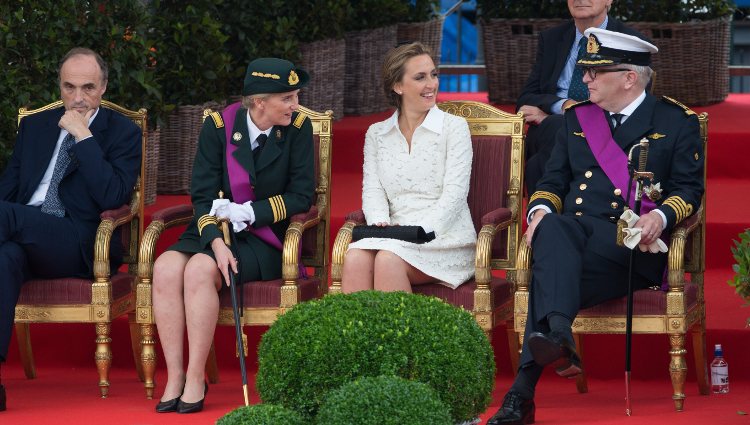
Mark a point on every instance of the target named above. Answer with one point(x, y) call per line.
point(135, 343)
point(23, 336)
point(678, 369)
point(699, 352)
point(513, 347)
point(212, 369)
point(103, 356)
point(148, 358)
point(581, 382)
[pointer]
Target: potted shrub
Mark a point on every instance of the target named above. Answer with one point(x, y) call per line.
point(692, 36)
point(193, 71)
point(741, 279)
point(321, 345)
point(373, 28)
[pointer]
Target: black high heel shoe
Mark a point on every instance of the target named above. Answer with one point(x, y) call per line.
point(196, 407)
point(169, 405)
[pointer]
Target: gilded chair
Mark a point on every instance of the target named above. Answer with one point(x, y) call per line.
point(679, 310)
point(110, 294)
point(494, 201)
point(306, 239)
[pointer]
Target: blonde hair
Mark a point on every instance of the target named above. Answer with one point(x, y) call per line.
point(393, 68)
point(248, 102)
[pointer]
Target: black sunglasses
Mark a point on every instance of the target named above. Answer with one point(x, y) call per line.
point(593, 71)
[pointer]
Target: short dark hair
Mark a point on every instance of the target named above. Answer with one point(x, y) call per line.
point(393, 68)
point(85, 52)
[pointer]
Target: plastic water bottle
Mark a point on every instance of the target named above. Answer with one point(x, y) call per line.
point(719, 372)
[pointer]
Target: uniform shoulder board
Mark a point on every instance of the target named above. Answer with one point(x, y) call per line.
point(687, 110)
point(217, 119)
point(299, 120)
point(573, 105)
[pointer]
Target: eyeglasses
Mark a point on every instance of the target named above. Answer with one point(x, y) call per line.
point(592, 72)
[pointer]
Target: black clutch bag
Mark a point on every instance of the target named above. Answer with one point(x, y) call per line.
point(413, 234)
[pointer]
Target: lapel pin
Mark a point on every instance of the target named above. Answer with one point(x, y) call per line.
point(278, 134)
point(237, 136)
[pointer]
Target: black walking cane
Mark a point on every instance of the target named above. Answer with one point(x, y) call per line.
point(230, 241)
point(640, 175)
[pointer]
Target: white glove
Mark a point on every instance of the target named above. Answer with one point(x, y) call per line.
point(633, 235)
point(241, 215)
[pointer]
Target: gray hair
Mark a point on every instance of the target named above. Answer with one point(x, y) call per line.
point(248, 102)
point(644, 73)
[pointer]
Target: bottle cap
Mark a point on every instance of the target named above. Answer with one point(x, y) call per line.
point(717, 350)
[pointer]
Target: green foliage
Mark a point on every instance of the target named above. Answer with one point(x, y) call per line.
point(191, 63)
point(369, 14)
point(35, 35)
point(320, 345)
point(384, 400)
point(741, 279)
point(261, 414)
point(626, 10)
point(514, 9)
point(670, 10)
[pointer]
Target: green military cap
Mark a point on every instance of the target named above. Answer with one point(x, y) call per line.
point(273, 75)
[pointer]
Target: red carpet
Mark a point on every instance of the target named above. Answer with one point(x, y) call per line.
point(66, 391)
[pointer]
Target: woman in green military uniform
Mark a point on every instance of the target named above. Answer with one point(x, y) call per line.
point(259, 154)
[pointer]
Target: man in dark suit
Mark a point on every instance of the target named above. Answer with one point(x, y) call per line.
point(572, 214)
point(554, 83)
point(68, 165)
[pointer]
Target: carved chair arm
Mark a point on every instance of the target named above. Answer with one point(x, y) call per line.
point(676, 255)
point(290, 255)
point(523, 265)
point(492, 223)
point(340, 245)
point(111, 220)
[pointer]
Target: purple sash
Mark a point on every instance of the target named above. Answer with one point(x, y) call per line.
point(608, 153)
point(239, 179)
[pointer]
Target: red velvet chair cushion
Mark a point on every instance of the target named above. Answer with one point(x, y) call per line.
point(645, 302)
point(463, 296)
point(267, 293)
point(70, 290)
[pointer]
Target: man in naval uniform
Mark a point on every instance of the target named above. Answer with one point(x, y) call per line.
point(572, 214)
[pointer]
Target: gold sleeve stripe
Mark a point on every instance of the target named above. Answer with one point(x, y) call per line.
point(204, 221)
point(299, 120)
point(278, 207)
point(681, 208)
point(556, 202)
point(217, 119)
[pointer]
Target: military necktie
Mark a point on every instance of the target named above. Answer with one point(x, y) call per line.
point(52, 204)
point(261, 142)
point(618, 120)
point(578, 90)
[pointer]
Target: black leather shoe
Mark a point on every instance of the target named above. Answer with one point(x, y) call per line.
point(2, 399)
point(196, 407)
point(169, 405)
point(556, 349)
point(515, 410)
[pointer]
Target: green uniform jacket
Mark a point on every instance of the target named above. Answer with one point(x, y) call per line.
point(282, 178)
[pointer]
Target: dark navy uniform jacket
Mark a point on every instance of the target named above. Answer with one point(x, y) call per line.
point(574, 183)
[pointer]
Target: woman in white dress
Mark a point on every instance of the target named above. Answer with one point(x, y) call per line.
point(416, 171)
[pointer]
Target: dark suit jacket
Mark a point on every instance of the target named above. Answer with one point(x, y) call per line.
point(101, 175)
point(283, 181)
point(552, 53)
point(575, 181)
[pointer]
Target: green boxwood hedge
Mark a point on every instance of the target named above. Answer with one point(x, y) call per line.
point(320, 345)
point(384, 400)
point(261, 414)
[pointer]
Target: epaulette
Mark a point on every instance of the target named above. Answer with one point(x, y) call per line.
point(583, 102)
point(217, 119)
point(687, 110)
point(299, 120)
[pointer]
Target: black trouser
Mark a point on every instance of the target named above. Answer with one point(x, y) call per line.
point(568, 274)
point(32, 244)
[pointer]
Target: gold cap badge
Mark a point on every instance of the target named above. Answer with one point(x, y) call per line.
point(293, 78)
point(237, 136)
point(593, 45)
